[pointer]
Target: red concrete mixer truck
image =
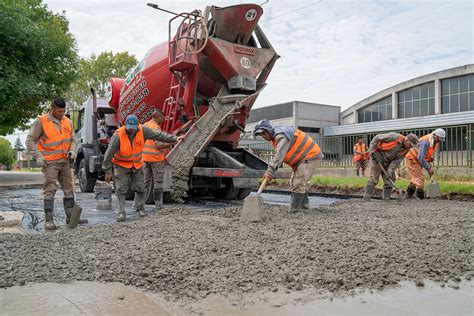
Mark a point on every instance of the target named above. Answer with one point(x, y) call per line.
point(205, 79)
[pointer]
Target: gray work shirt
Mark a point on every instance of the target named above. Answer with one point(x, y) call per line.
point(148, 133)
point(392, 158)
point(36, 131)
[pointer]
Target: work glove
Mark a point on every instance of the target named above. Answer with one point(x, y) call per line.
point(431, 159)
point(71, 154)
point(40, 161)
point(179, 138)
point(108, 176)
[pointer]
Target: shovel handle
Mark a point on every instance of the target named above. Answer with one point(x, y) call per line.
point(262, 186)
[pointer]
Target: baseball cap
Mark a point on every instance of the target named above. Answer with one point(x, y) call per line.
point(131, 122)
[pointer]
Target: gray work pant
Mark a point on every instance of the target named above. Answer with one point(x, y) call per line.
point(374, 174)
point(303, 173)
point(130, 178)
point(154, 171)
point(53, 172)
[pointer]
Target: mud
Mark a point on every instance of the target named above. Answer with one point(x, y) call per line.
point(187, 255)
point(186, 158)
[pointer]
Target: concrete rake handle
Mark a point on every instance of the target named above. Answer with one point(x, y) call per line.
point(262, 186)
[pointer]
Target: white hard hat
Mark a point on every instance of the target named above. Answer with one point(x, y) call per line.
point(440, 133)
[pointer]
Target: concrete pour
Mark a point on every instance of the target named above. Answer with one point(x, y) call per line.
point(187, 255)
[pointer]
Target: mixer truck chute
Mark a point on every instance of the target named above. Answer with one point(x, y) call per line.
point(205, 79)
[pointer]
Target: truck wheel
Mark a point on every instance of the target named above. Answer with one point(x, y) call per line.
point(243, 193)
point(199, 192)
point(228, 192)
point(86, 184)
point(167, 197)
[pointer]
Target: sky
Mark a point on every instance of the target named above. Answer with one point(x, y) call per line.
point(332, 52)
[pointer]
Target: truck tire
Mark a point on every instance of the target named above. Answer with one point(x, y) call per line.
point(199, 192)
point(228, 192)
point(167, 197)
point(243, 193)
point(86, 183)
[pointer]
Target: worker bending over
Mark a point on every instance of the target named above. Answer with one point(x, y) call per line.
point(125, 152)
point(419, 158)
point(296, 149)
point(386, 151)
point(51, 140)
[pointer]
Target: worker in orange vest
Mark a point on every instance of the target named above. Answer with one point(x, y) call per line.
point(125, 151)
point(388, 151)
point(360, 156)
point(52, 142)
point(299, 151)
point(153, 158)
point(419, 158)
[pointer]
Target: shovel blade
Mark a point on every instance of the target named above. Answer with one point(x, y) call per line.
point(433, 190)
point(75, 217)
point(252, 209)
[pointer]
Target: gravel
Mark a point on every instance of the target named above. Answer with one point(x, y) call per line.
point(184, 254)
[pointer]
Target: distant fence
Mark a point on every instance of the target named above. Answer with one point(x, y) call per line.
point(456, 151)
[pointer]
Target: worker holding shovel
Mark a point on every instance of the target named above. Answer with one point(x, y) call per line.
point(299, 151)
point(419, 158)
point(51, 140)
point(386, 153)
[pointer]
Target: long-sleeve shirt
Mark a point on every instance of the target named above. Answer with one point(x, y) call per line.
point(148, 133)
point(282, 146)
point(36, 131)
point(423, 147)
point(392, 158)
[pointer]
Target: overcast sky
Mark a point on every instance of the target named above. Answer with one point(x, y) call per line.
point(333, 52)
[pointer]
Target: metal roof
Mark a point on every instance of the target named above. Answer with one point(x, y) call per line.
point(440, 120)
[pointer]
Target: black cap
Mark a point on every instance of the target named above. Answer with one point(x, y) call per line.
point(60, 103)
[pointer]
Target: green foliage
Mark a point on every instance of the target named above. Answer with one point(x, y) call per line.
point(96, 71)
point(7, 153)
point(38, 60)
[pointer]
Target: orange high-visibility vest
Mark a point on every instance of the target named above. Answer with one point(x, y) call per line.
point(54, 144)
point(363, 149)
point(150, 152)
point(129, 155)
point(387, 145)
point(302, 147)
point(413, 152)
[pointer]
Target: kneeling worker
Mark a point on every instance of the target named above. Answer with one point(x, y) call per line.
point(419, 158)
point(125, 152)
point(387, 151)
point(296, 149)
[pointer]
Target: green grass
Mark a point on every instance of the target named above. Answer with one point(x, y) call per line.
point(353, 182)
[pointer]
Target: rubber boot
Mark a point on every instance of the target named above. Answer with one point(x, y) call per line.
point(48, 215)
point(410, 191)
point(69, 209)
point(305, 203)
point(387, 193)
point(158, 197)
point(295, 202)
point(369, 190)
point(140, 197)
point(121, 217)
point(420, 194)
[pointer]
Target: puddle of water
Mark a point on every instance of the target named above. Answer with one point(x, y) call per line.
point(284, 199)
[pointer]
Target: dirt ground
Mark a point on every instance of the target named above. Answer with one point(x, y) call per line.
point(186, 255)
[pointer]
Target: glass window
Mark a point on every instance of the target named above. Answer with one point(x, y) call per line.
point(453, 85)
point(361, 117)
point(445, 104)
point(401, 96)
point(431, 106)
point(383, 112)
point(389, 111)
point(416, 108)
point(408, 95)
point(367, 116)
point(416, 93)
point(464, 84)
point(424, 107)
point(453, 103)
point(424, 91)
point(471, 100)
point(445, 87)
point(409, 109)
point(432, 89)
point(471, 83)
point(401, 110)
point(463, 102)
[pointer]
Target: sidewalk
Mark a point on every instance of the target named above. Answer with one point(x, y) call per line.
point(16, 179)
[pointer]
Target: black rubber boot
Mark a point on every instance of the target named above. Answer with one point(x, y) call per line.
point(121, 217)
point(410, 191)
point(140, 198)
point(158, 197)
point(369, 191)
point(420, 194)
point(69, 209)
point(295, 202)
point(48, 215)
point(305, 203)
point(387, 193)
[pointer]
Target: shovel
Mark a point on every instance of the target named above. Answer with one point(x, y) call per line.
point(433, 190)
point(77, 210)
point(253, 206)
point(399, 191)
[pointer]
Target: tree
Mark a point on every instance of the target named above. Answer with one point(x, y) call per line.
point(38, 60)
point(19, 148)
point(96, 71)
point(7, 153)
